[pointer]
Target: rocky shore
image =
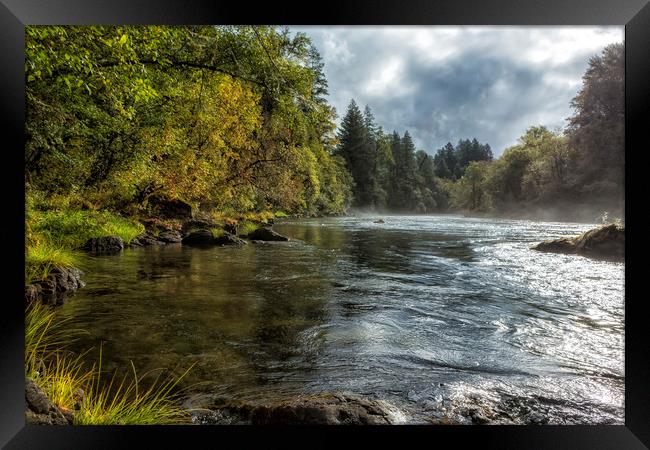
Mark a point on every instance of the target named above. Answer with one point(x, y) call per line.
point(606, 242)
point(322, 409)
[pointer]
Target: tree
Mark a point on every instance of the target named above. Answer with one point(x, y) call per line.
point(596, 130)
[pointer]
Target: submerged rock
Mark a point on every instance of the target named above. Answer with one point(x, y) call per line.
point(606, 242)
point(379, 221)
point(266, 234)
point(324, 409)
point(106, 245)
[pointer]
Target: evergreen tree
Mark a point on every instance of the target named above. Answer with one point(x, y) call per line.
point(358, 148)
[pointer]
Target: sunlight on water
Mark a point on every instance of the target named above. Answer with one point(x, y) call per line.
point(443, 316)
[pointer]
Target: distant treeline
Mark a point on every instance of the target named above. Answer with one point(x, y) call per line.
point(580, 165)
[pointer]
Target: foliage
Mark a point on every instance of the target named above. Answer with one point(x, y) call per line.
point(221, 117)
point(597, 129)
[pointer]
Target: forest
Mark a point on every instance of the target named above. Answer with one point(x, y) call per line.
point(582, 165)
point(235, 119)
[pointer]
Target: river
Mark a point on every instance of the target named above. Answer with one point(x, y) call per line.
point(442, 316)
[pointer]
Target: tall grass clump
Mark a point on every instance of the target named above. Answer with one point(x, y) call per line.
point(72, 386)
point(127, 403)
point(41, 257)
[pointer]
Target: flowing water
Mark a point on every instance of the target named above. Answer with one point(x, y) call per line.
point(441, 316)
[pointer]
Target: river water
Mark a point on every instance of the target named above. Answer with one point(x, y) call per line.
point(444, 317)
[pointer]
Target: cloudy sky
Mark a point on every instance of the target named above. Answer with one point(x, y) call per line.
point(449, 83)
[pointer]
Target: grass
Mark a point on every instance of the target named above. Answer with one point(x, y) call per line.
point(63, 376)
point(217, 232)
point(72, 228)
point(41, 257)
point(129, 404)
point(246, 226)
point(280, 214)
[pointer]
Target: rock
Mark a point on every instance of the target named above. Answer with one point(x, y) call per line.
point(67, 280)
point(106, 245)
point(40, 410)
point(266, 234)
point(197, 223)
point(59, 284)
point(379, 221)
point(170, 208)
point(229, 239)
point(145, 239)
point(230, 228)
point(199, 238)
point(170, 237)
point(606, 242)
point(324, 409)
point(32, 293)
point(204, 238)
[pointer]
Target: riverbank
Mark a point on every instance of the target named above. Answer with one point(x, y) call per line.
point(276, 319)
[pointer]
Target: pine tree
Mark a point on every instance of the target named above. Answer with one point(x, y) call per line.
point(358, 149)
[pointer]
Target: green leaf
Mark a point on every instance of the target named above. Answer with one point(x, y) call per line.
point(123, 39)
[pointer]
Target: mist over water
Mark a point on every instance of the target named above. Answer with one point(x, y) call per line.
point(442, 316)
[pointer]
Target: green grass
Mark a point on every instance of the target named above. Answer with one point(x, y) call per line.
point(41, 257)
point(280, 214)
point(246, 226)
point(62, 375)
point(72, 228)
point(217, 232)
point(129, 404)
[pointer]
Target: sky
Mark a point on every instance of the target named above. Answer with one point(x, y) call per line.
point(444, 83)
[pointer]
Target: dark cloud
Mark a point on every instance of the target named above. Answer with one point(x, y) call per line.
point(445, 84)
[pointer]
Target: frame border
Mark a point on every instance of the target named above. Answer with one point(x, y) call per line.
point(15, 14)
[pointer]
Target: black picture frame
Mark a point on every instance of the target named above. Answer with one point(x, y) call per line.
point(15, 14)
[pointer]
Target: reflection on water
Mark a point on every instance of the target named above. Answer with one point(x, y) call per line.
point(437, 314)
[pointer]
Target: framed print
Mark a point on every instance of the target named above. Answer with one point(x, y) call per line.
point(407, 218)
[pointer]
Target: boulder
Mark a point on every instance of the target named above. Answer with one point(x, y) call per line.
point(199, 238)
point(106, 245)
point(170, 208)
point(379, 221)
point(229, 239)
point(198, 223)
point(40, 410)
point(606, 242)
point(266, 234)
point(53, 290)
point(170, 237)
